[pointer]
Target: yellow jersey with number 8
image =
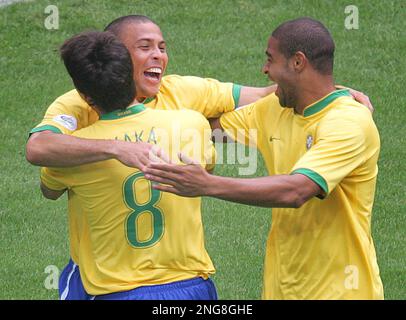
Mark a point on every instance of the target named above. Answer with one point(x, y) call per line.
point(132, 235)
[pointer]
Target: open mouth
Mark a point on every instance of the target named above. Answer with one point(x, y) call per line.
point(153, 73)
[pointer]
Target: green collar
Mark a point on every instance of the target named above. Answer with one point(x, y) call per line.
point(148, 100)
point(117, 114)
point(324, 102)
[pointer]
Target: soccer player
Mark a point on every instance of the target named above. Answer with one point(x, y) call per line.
point(321, 150)
point(135, 242)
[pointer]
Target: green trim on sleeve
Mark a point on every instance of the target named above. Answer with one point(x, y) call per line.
point(236, 94)
point(314, 176)
point(46, 128)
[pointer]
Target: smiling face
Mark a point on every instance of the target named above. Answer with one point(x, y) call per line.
point(147, 47)
point(279, 69)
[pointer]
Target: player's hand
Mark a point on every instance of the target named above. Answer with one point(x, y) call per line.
point(137, 154)
point(188, 180)
point(359, 97)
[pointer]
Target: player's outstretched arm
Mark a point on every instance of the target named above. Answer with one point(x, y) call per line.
point(191, 180)
point(252, 94)
point(50, 149)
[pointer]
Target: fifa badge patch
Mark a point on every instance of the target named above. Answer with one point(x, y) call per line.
point(309, 142)
point(66, 121)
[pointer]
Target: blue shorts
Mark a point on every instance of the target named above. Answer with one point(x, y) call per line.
point(71, 288)
point(191, 289)
point(70, 284)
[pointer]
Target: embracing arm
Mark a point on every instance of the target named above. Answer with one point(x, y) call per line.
point(288, 191)
point(252, 94)
point(281, 191)
point(51, 149)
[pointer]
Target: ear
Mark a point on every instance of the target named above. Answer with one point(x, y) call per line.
point(299, 61)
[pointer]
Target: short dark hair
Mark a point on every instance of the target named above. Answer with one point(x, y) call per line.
point(101, 68)
point(117, 25)
point(310, 37)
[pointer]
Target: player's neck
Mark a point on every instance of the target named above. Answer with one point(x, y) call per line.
point(135, 101)
point(312, 91)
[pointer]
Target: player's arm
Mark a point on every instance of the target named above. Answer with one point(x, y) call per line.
point(274, 191)
point(285, 191)
point(243, 119)
point(49, 193)
point(52, 145)
point(252, 94)
point(51, 149)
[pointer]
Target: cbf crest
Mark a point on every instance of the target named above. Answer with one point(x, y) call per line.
point(309, 141)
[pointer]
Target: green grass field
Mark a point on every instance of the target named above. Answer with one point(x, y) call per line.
point(226, 41)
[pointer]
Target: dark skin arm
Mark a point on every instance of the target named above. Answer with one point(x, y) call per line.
point(51, 149)
point(252, 94)
point(357, 95)
point(191, 180)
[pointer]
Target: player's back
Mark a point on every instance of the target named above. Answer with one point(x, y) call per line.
point(135, 235)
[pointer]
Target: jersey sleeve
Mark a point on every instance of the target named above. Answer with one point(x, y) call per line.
point(208, 96)
point(240, 124)
point(209, 151)
point(54, 179)
point(196, 140)
point(67, 114)
point(339, 149)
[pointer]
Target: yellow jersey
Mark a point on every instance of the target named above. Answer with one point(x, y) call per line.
point(210, 97)
point(129, 234)
point(70, 113)
point(323, 250)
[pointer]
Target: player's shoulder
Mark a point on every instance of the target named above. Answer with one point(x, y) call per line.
point(70, 111)
point(69, 103)
point(184, 82)
point(351, 117)
point(171, 80)
point(176, 78)
point(347, 109)
point(71, 99)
